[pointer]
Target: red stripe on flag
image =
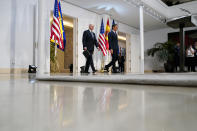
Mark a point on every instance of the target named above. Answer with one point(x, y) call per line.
point(102, 44)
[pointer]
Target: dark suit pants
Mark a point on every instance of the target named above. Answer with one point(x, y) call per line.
point(113, 62)
point(89, 63)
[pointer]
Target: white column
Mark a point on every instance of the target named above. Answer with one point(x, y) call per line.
point(128, 53)
point(34, 32)
point(141, 40)
point(43, 37)
point(13, 36)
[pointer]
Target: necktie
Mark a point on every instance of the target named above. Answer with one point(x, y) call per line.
point(115, 33)
point(92, 34)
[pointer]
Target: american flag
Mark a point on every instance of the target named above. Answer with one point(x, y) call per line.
point(57, 27)
point(101, 39)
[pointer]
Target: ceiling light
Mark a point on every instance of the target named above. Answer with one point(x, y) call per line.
point(108, 8)
point(68, 24)
point(101, 7)
point(122, 38)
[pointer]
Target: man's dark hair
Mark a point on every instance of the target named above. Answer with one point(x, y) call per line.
point(114, 26)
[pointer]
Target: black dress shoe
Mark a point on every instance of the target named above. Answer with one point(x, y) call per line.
point(106, 69)
point(94, 71)
point(115, 71)
point(86, 72)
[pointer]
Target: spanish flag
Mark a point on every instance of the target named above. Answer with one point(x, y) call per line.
point(106, 34)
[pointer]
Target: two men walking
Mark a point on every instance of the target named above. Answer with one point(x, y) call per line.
point(89, 41)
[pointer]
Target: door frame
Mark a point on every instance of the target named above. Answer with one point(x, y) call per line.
point(128, 53)
point(75, 46)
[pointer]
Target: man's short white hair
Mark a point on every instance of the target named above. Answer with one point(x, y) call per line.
point(91, 25)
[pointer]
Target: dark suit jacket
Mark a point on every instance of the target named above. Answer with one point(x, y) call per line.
point(89, 41)
point(113, 41)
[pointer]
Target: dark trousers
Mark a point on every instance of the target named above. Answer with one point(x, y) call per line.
point(177, 62)
point(190, 62)
point(191, 68)
point(113, 62)
point(89, 62)
point(121, 67)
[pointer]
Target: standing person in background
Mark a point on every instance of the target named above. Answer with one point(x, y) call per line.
point(89, 41)
point(177, 56)
point(190, 58)
point(122, 63)
point(114, 48)
point(121, 60)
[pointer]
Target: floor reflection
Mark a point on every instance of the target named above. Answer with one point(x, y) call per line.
point(40, 106)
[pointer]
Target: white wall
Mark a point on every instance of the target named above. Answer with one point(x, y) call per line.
point(5, 33)
point(24, 34)
point(152, 37)
point(16, 33)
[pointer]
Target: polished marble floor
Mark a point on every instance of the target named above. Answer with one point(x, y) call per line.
point(30, 105)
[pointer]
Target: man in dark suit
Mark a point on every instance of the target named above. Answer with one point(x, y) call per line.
point(114, 48)
point(89, 41)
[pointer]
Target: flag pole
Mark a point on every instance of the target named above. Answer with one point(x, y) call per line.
point(102, 63)
point(55, 48)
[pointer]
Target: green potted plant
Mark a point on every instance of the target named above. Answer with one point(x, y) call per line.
point(165, 53)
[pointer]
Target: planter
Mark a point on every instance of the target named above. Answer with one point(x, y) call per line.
point(165, 52)
point(169, 67)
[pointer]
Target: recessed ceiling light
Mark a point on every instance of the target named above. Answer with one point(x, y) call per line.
point(108, 8)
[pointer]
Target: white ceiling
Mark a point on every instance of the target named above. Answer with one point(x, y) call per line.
point(129, 14)
point(173, 11)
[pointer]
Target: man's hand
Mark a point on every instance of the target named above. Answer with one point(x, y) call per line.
point(98, 48)
point(111, 51)
point(85, 48)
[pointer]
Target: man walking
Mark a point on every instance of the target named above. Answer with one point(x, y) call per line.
point(89, 41)
point(114, 48)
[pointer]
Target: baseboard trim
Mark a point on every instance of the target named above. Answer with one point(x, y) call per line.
point(13, 71)
point(4, 70)
point(148, 71)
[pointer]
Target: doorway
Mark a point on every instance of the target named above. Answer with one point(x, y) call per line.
point(64, 61)
point(124, 52)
